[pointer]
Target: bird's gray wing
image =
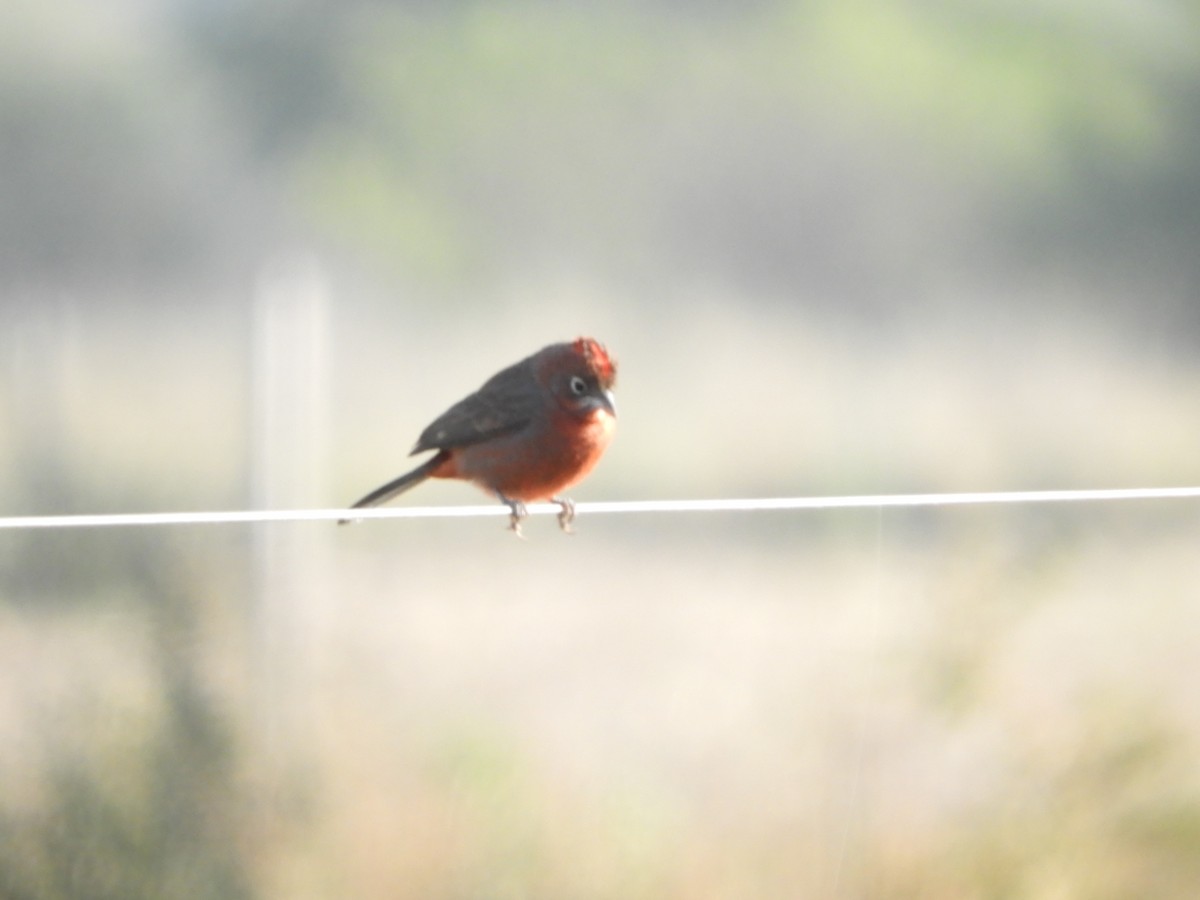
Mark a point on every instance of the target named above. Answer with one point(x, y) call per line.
point(506, 403)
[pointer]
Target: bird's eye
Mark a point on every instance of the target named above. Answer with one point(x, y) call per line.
point(578, 386)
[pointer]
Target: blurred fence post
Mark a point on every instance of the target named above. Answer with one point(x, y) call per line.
point(289, 440)
point(42, 338)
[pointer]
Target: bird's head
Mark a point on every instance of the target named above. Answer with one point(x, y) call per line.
point(581, 375)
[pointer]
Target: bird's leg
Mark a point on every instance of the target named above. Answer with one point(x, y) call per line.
point(516, 512)
point(566, 512)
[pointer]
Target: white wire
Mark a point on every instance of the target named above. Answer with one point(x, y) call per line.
point(620, 506)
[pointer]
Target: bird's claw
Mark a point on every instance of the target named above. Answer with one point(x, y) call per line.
point(516, 512)
point(566, 513)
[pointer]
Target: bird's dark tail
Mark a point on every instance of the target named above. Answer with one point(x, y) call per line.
point(398, 486)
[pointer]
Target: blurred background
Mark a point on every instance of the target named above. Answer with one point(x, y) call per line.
point(249, 249)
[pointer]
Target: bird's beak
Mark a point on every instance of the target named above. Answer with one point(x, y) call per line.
point(609, 402)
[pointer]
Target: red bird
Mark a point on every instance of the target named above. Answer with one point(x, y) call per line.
point(532, 431)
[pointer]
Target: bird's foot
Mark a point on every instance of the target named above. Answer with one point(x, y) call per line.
point(566, 513)
point(516, 512)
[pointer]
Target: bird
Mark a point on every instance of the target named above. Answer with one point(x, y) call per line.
point(530, 432)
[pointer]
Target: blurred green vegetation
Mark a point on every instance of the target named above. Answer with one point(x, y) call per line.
point(837, 246)
point(783, 146)
point(123, 780)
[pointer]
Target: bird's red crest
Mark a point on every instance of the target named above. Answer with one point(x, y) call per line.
point(597, 359)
